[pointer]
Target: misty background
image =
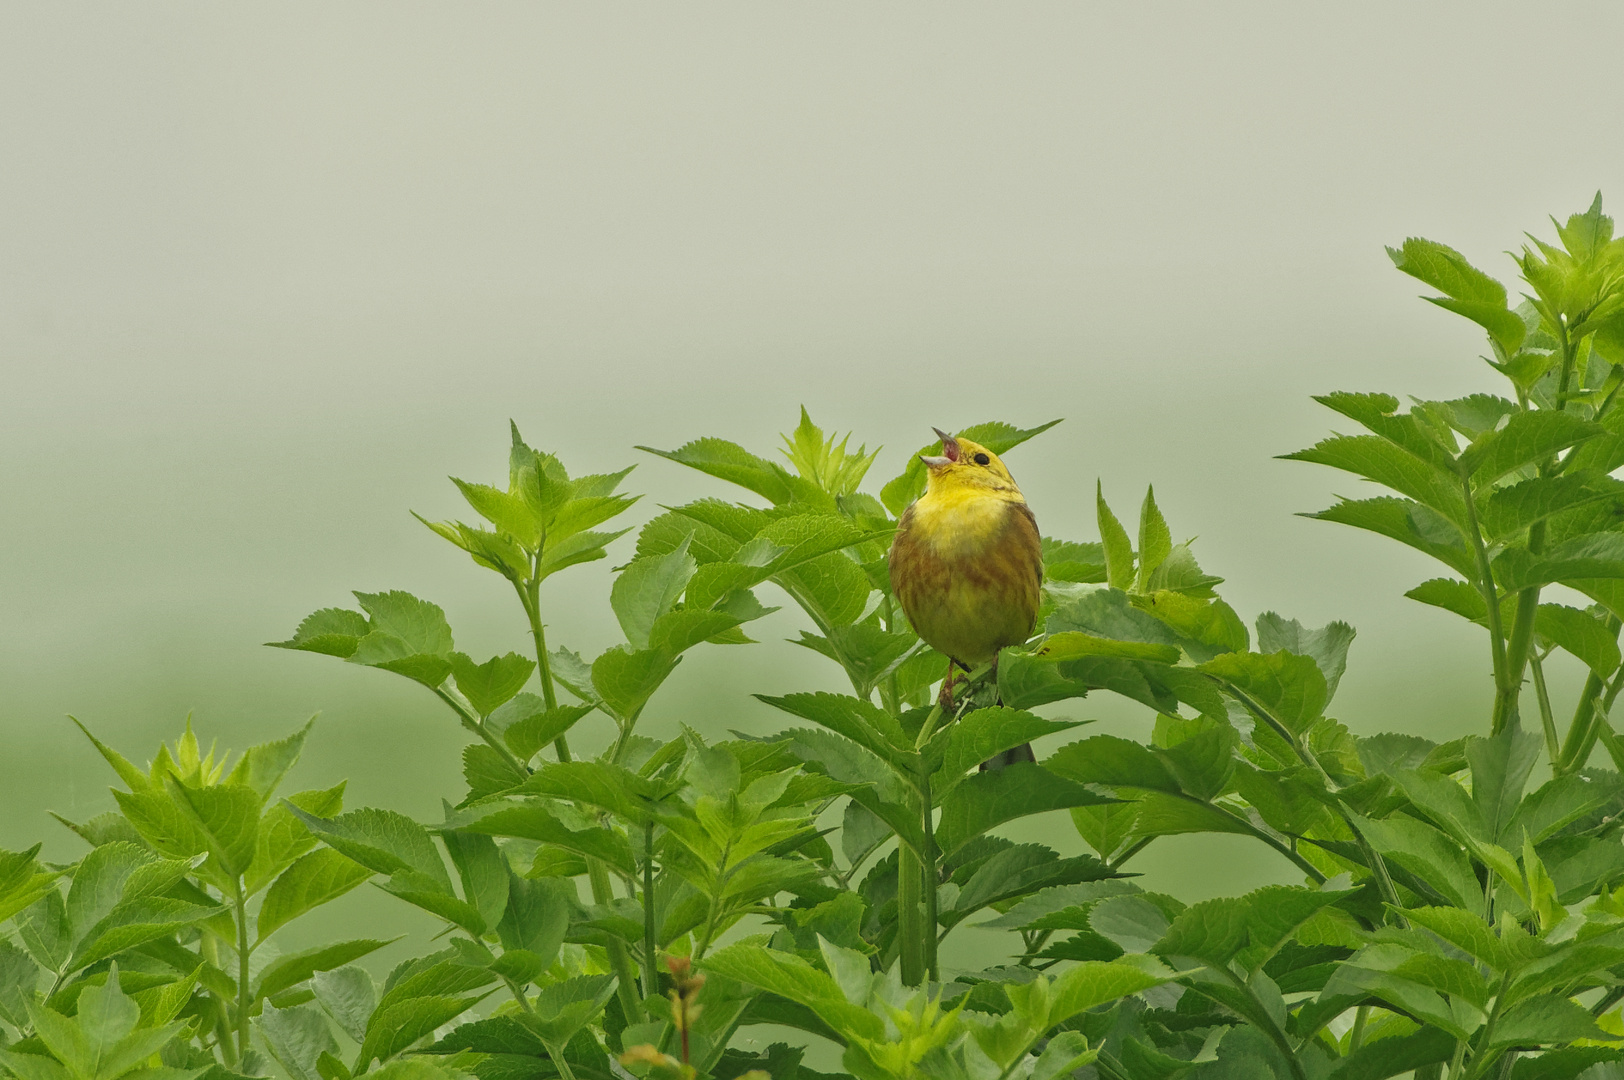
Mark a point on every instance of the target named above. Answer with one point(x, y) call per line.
point(270, 273)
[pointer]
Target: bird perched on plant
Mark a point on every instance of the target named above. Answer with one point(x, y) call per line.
point(967, 562)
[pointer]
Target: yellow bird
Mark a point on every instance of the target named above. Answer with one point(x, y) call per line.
point(967, 562)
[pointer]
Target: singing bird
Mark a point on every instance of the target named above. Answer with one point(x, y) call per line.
point(967, 563)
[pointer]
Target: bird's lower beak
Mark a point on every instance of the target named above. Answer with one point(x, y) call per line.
point(933, 463)
point(950, 451)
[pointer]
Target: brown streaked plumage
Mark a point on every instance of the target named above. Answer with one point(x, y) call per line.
point(967, 562)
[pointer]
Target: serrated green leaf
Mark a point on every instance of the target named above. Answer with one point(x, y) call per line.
point(381, 840)
point(1528, 438)
point(1376, 459)
point(1409, 523)
point(333, 631)
point(312, 880)
point(625, 679)
point(489, 685)
point(295, 968)
point(1119, 564)
point(991, 798)
point(1290, 687)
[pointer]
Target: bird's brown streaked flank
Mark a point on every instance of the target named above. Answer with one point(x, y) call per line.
point(967, 561)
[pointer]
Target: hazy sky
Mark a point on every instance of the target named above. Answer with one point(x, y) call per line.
point(268, 273)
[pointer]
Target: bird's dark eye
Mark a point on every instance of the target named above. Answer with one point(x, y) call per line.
point(983, 459)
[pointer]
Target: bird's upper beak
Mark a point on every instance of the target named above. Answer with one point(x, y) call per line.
point(950, 452)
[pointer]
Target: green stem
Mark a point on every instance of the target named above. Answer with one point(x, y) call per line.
point(240, 902)
point(1273, 1031)
point(928, 876)
point(530, 597)
point(1586, 723)
point(208, 947)
point(1135, 848)
point(651, 971)
point(518, 995)
point(1553, 749)
point(911, 931)
point(1491, 600)
point(1357, 1035)
point(1522, 637)
point(1378, 866)
point(471, 722)
point(563, 1066)
point(1482, 1058)
point(619, 958)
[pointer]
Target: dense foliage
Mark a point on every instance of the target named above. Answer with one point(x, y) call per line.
point(630, 913)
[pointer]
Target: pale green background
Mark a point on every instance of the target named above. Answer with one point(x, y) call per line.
point(268, 273)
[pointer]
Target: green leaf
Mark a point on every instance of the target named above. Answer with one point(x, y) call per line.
point(581, 548)
point(998, 437)
point(262, 767)
point(1461, 597)
point(677, 631)
point(1427, 854)
point(489, 685)
point(1591, 555)
point(594, 783)
point(396, 1026)
point(1527, 439)
point(1290, 687)
point(295, 968)
point(1467, 290)
point(1093, 983)
point(348, 995)
point(418, 623)
point(333, 631)
point(1114, 762)
point(1104, 828)
point(1119, 567)
point(1328, 646)
point(226, 816)
point(1409, 523)
point(989, 799)
point(1377, 412)
point(706, 543)
point(98, 883)
point(482, 870)
point(626, 679)
point(527, 725)
point(135, 922)
point(1378, 460)
point(868, 726)
point(1500, 768)
point(534, 821)
point(1545, 1020)
point(314, 879)
point(791, 977)
point(733, 463)
point(1581, 634)
point(1072, 644)
point(381, 840)
point(832, 588)
point(537, 916)
point(866, 650)
point(297, 1037)
point(1155, 542)
point(648, 588)
point(1511, 509)
point(19, 981)
point(1247, 928)
point(982, 735)
point(43, 928)
point(1469, 933)
point(488, 772)
point(282, 837)
point(1064, 560)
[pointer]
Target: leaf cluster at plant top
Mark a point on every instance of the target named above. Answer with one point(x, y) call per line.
point(640, 911)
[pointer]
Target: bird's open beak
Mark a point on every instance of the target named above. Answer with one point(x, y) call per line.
point(950, 452)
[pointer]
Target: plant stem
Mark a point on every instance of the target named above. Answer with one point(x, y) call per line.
point(1586, 723)
point(911, 931)
point(563, 1066)
point(530, 597)
point(1552, 748)
point(1522, 636)
point(1491, 600)
point(619, 958)
point(1357, 1035)
point(471, 722)
point(240, 902)
point(651, 971)
point(1481, 1058)
point(928, 875)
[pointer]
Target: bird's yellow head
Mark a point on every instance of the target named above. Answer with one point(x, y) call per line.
point(964, 466)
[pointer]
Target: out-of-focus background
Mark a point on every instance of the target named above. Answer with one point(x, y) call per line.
point(269, 273)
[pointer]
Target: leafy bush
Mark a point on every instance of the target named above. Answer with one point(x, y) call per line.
point(1450, 920)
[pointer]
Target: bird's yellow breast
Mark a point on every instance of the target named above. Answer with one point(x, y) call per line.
point(962, 522)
